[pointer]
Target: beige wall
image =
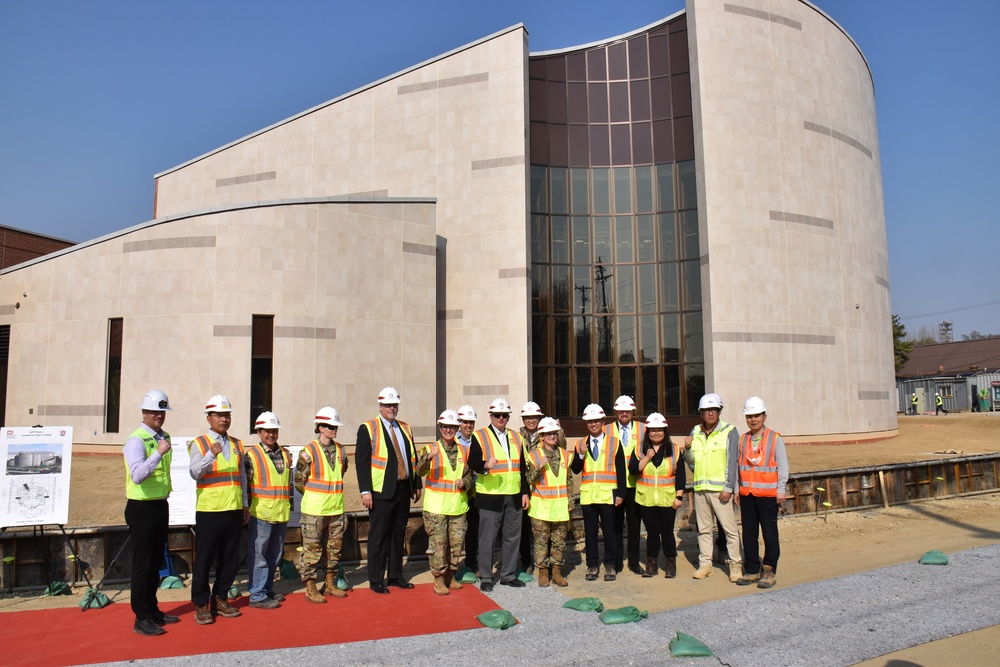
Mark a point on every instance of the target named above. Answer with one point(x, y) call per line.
point(795, 268)
point(187, 289)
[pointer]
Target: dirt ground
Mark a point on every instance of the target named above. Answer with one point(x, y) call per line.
point(813, 547)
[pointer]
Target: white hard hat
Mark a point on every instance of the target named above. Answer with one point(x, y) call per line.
point(500, 405)
point(754, 406)
point(593, 411)
point(155, 400)
point(624, 403)
point(449, 418)
point(709, 401)
point(388, 396)
point(531, 409)
point(656, 420)
point(328, 416)
point(467, 413)
point(548, 425)
point(266, 420)
point(218, 403)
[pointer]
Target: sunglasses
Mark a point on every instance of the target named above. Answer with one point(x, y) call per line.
point(499, 415)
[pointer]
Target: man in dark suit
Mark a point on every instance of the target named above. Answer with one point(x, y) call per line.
point(385, 458)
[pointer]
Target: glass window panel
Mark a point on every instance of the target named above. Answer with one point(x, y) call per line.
point(669, 294)
point(577, 112)
point(539, 190)
point(584, 388)
point(659, 94)
point(618, 61)
point(626, 381)
point(624, 248)
point(670, 397)
point(555, 69)
point(537, 106)
point(539, 140)
point(540, 299)
point(605, 388)
point(680, 95)
point(560, 289)
point(639, 98)
point(623, 190)
point(597, 96)
point(693, 338)
point(687, 186)
point(665, 187)
point(559, 147)
point(668, 237)
point(605, 338)
point(560, 392)
point(624, 289)
point(605, 296)
point(691, 281)
point(600, 145)
point(602, 191)
point(621, 144)
point(576, 68)
point(540, 387)
point(649, 344)
point(583, 291)
point(582, 339)
point(580, 194)
point(581, 240)
point(618, 98)
point(559, 191)
point(540, 239)
point(689, 233)
point(596, 67)
point(560, 340)
point(646, 274)
point(643, 189)
point(637, 64)
point(626, 339)
point(679, 53)
point(694, 376)
point(659, 60)
point(663, 142)
point(555, 93)
point(560, 239)
point(646, 238)
point(540, 325)
point(579, 145)
point(602, 240)
point(642, 143)
point(670, 347)
point(650, 399)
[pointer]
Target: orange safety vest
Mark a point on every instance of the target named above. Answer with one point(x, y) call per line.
point(758, 467)
point(270, 494)
point(550, 494)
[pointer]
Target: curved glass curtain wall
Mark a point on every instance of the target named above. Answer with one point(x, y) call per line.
point(616, 272)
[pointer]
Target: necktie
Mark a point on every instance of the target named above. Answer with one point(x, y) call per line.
point(400, 455)
point(594, 451)
point(625, 437)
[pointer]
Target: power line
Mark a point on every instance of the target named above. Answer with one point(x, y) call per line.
point(952, 310)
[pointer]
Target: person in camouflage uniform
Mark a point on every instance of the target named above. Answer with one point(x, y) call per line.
point(319, 477)
point(446, 478)
point(547, 474)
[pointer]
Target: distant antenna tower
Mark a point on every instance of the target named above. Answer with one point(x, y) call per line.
point(944, 332)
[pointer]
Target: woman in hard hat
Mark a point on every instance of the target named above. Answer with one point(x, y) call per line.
point(659, 490)
point(547, 475)
point(447, 477)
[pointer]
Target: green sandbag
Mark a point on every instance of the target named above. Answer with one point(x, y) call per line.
point(287, 570)
point(234, 593)
point(628, 614)
point(686, 646)
point(934, 557)
point(466, 576)
point(172, 582)
point(341, 580)
point(58, 588)
point(584, 604)
point(499, 619)
point(525, 577)
point(94, 600)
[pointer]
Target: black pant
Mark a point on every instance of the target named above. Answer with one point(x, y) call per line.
point(627, 515)
point(147, 527)
point(387, 533)
point(659, 531)
point(602, 516)
point(217, 543)
point(472, 536)
point(527, 542)
point(759, 513)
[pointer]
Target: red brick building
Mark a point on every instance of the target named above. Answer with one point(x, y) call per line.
point(17, 245)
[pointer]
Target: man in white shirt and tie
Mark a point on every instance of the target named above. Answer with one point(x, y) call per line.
point(629, 433)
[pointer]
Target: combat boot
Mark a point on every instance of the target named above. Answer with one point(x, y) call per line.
point(651, 569)
point(735, 570)
point(312, 594)
point(543, 577)
point(440, 588)
point(702, 572)
point(670, 568)
point(450, 580)
point(767, 578)
point(557, 576)
point(331, 588)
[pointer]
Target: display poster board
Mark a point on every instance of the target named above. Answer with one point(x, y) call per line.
point(35, 488)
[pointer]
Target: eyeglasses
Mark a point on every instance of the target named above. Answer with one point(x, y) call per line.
point(500, 415)
point(447, 427)
point(468, 423)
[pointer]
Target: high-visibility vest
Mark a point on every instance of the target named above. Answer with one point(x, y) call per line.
point(758, 467)
point(711, 457)
point(599, 480)
point(441, 492)
point(635, 433)
point(270, 494)
point(219, 489)
point(380, 450)
point(323, 494)
point(655, 486)
point(505, 478)
point(550, 494)
point(157, 485)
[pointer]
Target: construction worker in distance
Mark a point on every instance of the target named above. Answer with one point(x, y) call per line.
point(319, 477)
point(712, 452)
point(913, 403)
point(763, 470)
point(221, 480)
point(269, 487)
point(938, 404)
point(467, 426)
point(659, 491)
point(446, 475)
point(629, 433)
point(147, 484)
point(600, 461)
point(531, 413)
point(547, 474)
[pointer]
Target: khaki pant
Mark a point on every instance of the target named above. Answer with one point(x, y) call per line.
point(707, 509)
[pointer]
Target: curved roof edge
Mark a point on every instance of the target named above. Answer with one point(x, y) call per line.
point(570, 49)
point(464, 47)
point(268, 203)
point(846, 34)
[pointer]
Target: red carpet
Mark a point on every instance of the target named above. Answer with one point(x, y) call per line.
point(56, 637)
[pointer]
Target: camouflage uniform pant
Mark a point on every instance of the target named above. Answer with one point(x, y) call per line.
point(445, 541)
point(546, 532)
point(321, 536)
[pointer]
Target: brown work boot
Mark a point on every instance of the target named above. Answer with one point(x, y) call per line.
point(557, 576)
point(748, 579)
point(440, 588)
point(203, 615)
point(451, 582)
point(224, 609)
point(767, 578)
point(313, 594)
point(735, 570)
point(543, 576)
point(702, 572)
point(670, 568)
point(651, 568)
point(330, 587)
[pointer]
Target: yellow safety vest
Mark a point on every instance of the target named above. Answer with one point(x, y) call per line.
point(634, 438)
point(550, 494)
point(655, 486)
point(380, 451)
point(323, 494)
point(441, 492)
point(598, 480)
point(711, 457)
point(157, 485)
point(505, 478)
point(270, 494)
point(219, 489)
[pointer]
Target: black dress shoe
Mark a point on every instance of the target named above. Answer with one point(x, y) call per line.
point(147, 627)
point(486, 587)
point(399, 583)
point(513, 583)
point(164, 619)
point(380, 589)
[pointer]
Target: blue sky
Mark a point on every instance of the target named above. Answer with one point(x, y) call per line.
point(98, 96)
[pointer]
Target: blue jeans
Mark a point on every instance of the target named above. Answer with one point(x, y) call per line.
point(266, 545)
